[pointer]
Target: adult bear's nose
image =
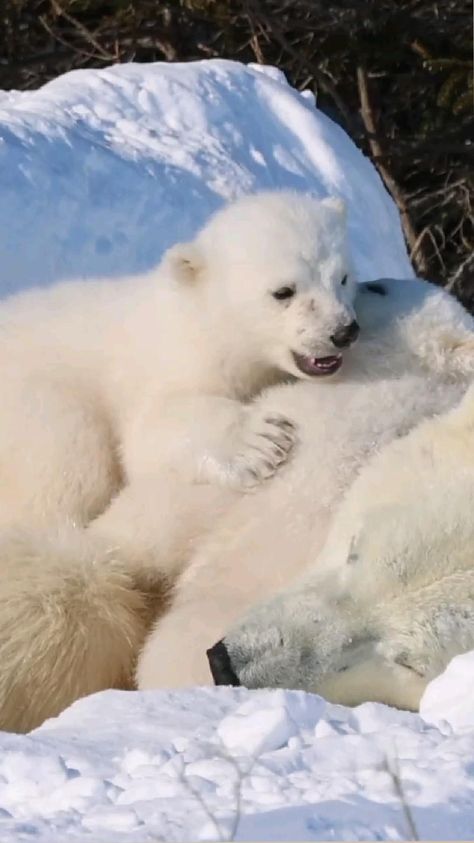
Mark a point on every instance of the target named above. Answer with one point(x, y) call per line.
point(346, 335)
point(221, 666)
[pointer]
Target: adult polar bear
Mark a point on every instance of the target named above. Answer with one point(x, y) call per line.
point(390, 598)
point(415, 357)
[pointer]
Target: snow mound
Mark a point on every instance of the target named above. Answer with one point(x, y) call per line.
point(101, 170)
point(449, 699)
point(221, 764)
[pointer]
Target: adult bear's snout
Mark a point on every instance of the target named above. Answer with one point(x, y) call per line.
point(345, 335)
point(221, 665)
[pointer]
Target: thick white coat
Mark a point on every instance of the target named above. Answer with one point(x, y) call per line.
point(415, 358)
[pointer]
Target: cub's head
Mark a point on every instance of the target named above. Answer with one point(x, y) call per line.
point(274, 268)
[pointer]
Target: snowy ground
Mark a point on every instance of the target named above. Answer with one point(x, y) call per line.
point(221, 764)
point(99, 172)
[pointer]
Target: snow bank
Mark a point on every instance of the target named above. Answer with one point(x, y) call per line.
point(221, 763)
point(101, 170)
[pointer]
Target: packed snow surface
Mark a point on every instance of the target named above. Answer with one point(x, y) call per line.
point(100, 171)
point(222, 764)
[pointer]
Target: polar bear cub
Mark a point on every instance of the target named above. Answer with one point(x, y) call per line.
point(116, 394)
point(390, 599)
point(107, 382)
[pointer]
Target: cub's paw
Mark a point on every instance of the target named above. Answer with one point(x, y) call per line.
point(267, 443)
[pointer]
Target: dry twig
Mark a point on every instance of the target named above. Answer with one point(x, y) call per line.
point(413, 240)
point(84, 31)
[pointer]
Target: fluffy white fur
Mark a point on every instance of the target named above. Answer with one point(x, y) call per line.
point(415, 358)
point(116, 395)
point(390, 600)
point(115, 380)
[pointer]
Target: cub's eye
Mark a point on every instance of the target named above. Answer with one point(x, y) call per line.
point(344, 281)
point(284, 293)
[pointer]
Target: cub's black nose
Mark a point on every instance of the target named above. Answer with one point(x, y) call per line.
point(346, 335)
point(220, 664)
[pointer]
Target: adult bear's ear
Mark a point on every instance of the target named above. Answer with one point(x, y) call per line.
point(335, 203)
point(184, 261)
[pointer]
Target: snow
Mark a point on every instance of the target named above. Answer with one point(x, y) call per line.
point(449, 699)
point(100, 171)
point(222, 763)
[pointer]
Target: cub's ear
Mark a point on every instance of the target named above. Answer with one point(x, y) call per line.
point(184, 261)
point(335, 203)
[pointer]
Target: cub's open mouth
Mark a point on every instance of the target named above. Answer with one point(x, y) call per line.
point(315, 366)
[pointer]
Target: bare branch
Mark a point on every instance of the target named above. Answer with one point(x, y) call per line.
point(104, 54)
point(394, 189)
point(467, 263)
